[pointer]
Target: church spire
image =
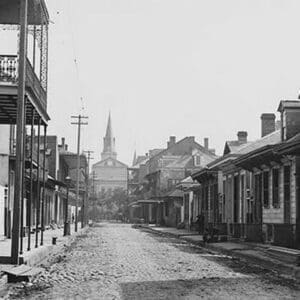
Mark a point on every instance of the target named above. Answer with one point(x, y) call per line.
point(134, 158)
point(109, 142)
point(109, 133)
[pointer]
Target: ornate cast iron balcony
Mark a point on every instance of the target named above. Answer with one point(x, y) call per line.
point(9, 76)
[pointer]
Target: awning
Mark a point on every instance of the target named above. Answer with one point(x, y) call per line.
point(150, 201)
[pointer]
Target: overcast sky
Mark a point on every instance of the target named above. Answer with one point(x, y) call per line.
point(170, 67)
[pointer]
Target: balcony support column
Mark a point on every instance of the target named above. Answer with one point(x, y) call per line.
point(44, 186)
point(34, 47)
point(20, 132)
point(23, 183)
point(30, 200)
point(38, 200)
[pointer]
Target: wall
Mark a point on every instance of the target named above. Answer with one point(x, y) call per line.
point(276, 215)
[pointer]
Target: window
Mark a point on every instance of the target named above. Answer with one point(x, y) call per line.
point(166, 209)
point(275, 188)
point(266, 189)
point(197, 160)
point(287, 194)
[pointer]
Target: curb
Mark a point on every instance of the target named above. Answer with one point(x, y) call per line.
point(288, 270)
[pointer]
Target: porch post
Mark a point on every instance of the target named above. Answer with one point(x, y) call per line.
point(20, 131)
point(30, 200)
point(38, 186)
point(297, 177)
point(44, 185)
point(23, 182)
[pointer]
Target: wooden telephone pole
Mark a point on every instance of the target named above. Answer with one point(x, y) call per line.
point(78, 123)
point(88, 183)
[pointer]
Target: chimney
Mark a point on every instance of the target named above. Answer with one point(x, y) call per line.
point(242, 136)
point(213, 151)
point(63, 142)
point(267, 124)
point(206, 143)
point(290, 118)
point(172, 141)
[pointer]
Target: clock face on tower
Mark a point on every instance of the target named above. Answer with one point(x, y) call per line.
point(109, 163)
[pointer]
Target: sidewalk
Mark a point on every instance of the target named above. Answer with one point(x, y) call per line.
point(280, 259)
point(35, 255)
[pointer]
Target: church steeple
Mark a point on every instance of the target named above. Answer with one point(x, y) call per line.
point(109, 142)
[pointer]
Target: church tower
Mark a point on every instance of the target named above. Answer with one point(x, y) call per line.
point(109, 142)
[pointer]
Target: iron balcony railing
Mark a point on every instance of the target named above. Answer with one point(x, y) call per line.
point(9, 75)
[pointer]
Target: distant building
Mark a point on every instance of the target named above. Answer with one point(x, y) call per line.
point(109, 173)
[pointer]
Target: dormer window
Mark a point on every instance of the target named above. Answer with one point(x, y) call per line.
point(197, 160)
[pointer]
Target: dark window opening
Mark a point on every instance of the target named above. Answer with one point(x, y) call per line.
point(266, 189)
point(275, 188)
point(287, 194)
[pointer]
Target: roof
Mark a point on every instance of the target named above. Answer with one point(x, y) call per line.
point(241, 151)
point(233, 146)
point(175, 194)
point(188, 183)
point(141, 159)
point(181, 162)
point(149, 201)
point(71, 159)
point(37, 12)
point(291, 146)
point(270, 139)
point(181, 141)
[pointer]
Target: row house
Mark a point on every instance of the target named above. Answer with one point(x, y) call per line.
point(50, 188)
point(275, 180)
point(251, 191)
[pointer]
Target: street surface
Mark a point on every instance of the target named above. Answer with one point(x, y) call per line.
point(115, 261)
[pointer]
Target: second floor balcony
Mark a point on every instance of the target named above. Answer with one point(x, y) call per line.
point(9, 79)
point(36, 64)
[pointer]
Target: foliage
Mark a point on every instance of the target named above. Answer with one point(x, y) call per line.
point(111, 205)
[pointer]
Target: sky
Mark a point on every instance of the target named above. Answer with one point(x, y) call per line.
point(169, 67)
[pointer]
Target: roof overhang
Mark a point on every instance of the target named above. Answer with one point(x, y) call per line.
point(255, 159)
point(37, 12)
point(150, 201)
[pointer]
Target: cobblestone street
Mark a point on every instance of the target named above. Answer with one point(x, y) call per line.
point(115, 261)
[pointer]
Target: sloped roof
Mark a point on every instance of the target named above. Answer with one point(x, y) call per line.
point(233, 146)
point(181, 141)
point(181, 162)
point(270, 139)
point(71, 159)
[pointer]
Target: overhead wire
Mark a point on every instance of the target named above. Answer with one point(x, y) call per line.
point(75, 60)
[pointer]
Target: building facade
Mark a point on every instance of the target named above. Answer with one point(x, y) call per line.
point(109, 174)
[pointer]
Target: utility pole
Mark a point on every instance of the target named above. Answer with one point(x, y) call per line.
point(88, 181)
point(20, 132)
point(78, 123)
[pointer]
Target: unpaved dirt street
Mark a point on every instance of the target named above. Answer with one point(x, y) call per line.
point(115, 261)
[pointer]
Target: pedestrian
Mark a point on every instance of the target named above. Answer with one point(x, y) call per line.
point(205, 236)
point(200, 223)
